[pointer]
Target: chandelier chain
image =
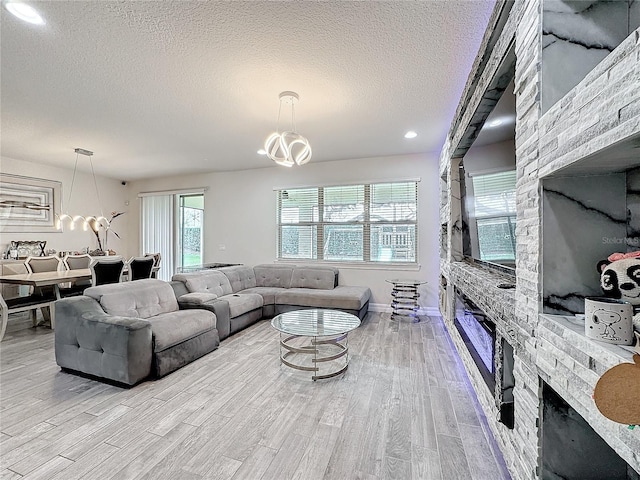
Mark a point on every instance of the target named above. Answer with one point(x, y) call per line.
point(73, 180)
point(293, 115)
point(95, 183)
point(279, 111)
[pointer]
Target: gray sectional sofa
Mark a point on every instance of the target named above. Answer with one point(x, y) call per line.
point(126, 332)
point(130, 331)
point(241, 295)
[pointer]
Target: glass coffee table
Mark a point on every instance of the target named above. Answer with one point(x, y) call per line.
point(315, 340)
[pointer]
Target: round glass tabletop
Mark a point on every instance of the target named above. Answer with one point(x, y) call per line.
point(405, 281)
point(315, 322)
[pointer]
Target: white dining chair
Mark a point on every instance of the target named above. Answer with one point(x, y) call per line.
point(23, 304)
point(75, 262)
point(106, 269)
point(50, 263)
point(140, 267)
point(156, 263)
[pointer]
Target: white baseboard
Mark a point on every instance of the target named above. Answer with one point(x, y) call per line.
point(386, 308)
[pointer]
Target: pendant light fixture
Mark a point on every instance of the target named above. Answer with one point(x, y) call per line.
point(86, 221)
point(288, 148)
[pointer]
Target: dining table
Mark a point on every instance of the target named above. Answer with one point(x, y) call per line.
point(39, 280)
point(45, 279)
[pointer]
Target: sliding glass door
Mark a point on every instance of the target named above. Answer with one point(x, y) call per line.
point(172, 225)
point(191, 215)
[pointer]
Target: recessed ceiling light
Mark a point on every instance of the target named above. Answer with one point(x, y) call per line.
point(262, 151)
point(24, 12)
point(410, 134)
point(495, 123)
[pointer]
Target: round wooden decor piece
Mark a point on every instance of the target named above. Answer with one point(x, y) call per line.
point(617, 393)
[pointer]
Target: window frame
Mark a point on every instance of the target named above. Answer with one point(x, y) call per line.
point(508, 215)
point(318, 225)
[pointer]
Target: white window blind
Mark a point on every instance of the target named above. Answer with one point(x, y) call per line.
point(495, 212)
point(157, 214)
point(495, 194)
point(348, 223)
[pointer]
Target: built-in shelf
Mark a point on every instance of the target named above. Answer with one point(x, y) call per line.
point(571, 330)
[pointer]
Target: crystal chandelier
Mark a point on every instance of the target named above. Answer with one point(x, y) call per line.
point(288, 148)
point(86, 221)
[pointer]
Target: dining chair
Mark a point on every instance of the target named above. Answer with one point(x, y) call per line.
point(23, 304)
point(4, 318)
point(75, 262)
point(49, 263)
point(156, 263)
point(140, 267)
point(106, 270)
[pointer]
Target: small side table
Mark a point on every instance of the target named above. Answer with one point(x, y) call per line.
point(404, 298)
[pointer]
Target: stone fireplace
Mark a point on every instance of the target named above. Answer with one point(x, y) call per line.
point(491, 353)
point(577, 156)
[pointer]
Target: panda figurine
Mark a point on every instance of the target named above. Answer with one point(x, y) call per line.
point(620, 279)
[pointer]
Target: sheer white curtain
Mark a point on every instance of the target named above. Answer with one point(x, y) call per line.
point(157, 231)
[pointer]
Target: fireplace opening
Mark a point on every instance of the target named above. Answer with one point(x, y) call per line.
point(491, 353)
point(479, 336)
point(571, 449)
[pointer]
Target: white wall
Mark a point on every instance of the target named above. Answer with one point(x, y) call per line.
point(83, 202)
point(240, 213)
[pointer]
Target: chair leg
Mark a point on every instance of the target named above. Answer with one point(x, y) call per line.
point(34, 317)
point(5, 320)
point(46, 313)
point(52, 316)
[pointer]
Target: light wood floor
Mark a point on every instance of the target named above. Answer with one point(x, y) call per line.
point(403, 410)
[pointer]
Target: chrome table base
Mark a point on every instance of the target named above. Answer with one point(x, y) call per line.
point(404, 301)
point(317, 348)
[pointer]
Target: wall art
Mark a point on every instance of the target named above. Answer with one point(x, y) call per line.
point(28, 204)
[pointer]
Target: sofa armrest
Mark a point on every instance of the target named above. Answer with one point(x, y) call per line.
point(89, 341)
point(179, 288)
point(219, 307)
point(196, 298)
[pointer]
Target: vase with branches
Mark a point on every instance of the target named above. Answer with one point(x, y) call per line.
point(101, 230)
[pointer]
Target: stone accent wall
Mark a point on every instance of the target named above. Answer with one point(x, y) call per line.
point(601, 110)
point(572, 364)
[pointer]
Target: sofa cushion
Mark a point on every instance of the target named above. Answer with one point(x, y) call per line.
point(240, 303)
point(206, 281)
point(342, 297)
point(170, 329)
point(196, 298)
point(314, 277)
point(268, 293)
point(139, 299)
point(240, 277)
point(273, 275)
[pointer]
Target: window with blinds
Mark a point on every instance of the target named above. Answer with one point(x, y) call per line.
point(349, 223)
point(495, 212)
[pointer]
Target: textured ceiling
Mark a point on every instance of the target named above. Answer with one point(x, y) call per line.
point(160, 88)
